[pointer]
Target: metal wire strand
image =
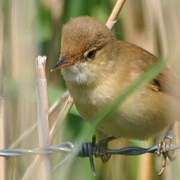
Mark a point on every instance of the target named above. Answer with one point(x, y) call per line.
point(63, 147)
point(87, 149)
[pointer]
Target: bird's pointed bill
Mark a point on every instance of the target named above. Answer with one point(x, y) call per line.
point(61, 64)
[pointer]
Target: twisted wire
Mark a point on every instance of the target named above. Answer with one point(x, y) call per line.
point(87, 149)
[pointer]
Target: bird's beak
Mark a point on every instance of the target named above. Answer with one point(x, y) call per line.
point(61, 64)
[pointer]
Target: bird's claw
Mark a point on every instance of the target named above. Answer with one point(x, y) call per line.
point(163, 150)
point(95, 149)
point(101, 148)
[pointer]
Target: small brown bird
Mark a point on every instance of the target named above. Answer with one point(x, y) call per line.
point(98, 68)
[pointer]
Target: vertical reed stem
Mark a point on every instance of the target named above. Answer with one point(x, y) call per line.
point(2, 120)
point(2, 138)
point(42, 108)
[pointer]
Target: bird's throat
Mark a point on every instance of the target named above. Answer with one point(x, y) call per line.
point(80, 74)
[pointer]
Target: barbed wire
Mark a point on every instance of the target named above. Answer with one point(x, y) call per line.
point(86, 149)
point(63, 147)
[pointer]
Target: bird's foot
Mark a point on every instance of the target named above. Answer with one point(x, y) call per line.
point(101, 148)
point(163, 150)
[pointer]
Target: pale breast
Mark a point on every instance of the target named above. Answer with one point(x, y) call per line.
point(142, 115)
point(91, 101)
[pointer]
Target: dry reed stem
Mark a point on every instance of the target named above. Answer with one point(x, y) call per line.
point(114, 14)
point(2, 137)
point(28, 173)
point(176, 172)
point(2, 104)
point(24, 135)
point(58, 102)
point(149, 26)
point(21, 48)
point(146, 164)
point(62, 115)
point(145, 170)
point(134, 30)
point(29, 131)
point(173, 28)
point(159, 19)
point(56, 8)
point(42, 111)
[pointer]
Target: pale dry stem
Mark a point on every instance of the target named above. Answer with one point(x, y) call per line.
point(157, 13)
point(42, 119)
point(29, 131)
point(58, 102)
point(146, 164)
point(2, 137)
point(2, 101)
point(62, 115)
point(114, 14)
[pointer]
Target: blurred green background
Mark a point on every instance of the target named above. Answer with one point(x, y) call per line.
point(32, 28)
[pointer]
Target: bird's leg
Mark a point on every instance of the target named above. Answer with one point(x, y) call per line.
point(101, 147)
point(163, 148)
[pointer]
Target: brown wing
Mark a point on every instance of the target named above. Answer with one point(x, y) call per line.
point(167, 81)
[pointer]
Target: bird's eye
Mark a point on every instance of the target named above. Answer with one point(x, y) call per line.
point(90, 54)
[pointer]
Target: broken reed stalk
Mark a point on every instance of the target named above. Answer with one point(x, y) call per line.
point(42, 113)
point(61, 116)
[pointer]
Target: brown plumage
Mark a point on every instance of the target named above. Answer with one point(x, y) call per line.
point(98, 68)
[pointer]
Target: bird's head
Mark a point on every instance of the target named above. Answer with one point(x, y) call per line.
point(82, 38)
